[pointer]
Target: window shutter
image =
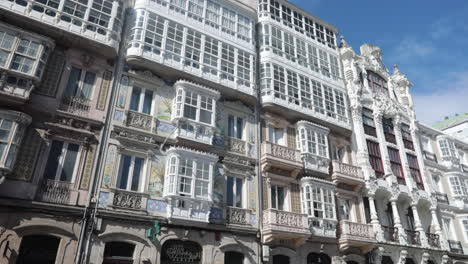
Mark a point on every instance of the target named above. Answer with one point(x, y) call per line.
point(105, 85)
point(265, 194)
point(295, 198)
point(52, 74)
point(88, 167)
point(27, 156)
point(291, 137)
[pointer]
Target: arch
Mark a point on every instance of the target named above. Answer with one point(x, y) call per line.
point(318, 258)
point(38, 249)
point(117, 252)
point(283, 251)
point(386, 260)
point(123, 237)
point(53, 229)
point(248, 252)
point(359, 259)
point(181, 251)
point(281, 259)
point(233, 257)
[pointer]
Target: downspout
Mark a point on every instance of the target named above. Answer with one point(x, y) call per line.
point(93, 199)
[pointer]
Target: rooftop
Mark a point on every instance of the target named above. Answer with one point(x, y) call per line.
point(452, 121)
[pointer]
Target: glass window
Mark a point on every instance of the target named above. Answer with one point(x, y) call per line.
point(313, 142)
point(448, 148)
point(243, 68)
point(6, 135)
point(141, 100)
point(193, 49)
point(196, 107)
point(188, 177)
point(234, 191)
point(377, 83)
point(318, 202)
point(6, 44)
point(375, 158)
point(318, 97)
point(329, 101)
point(80, 83)
point(235, 126)
point(212, 14)
point(395, 163)
point(278, 197)
point(131, 173)
point(195, 9)
point(62, 162)
point(227, 62)
point(276, 135)
point(458, 187)
point(174, 41)
point(414, 169)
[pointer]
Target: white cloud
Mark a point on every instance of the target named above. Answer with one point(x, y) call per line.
point(410, 49)
point(448, 97)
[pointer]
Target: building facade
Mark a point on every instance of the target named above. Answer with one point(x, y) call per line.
point(203, 131)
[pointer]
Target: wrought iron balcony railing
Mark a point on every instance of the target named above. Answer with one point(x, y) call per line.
point(52, 191)
point(433, 240)
point(75, 105)
point(390, 233)
point(414, 237)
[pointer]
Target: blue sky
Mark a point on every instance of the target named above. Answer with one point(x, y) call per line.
point(427, 39)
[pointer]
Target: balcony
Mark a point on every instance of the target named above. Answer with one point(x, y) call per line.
point(433, 240)
point(316, 163)
point(57, 192)
point(455, 247)
point(356, 235)
point(429, 156)
point(413, 237)
point(237, 216)
point(322, 227)
point(442, 198)
point(81, 24)
point(280, 156)
point(128, 200)
point(75, 105)
point(238, 146)
point(284, 225)
point(348, 174)
point(390, 234)
point(141, 121)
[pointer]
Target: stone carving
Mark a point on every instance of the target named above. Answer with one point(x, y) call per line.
point(235, 145)
point(139, 120)
point(288, 219)
point(127, 199)
point(283, 152)
point(317, 163)
point(236, 215)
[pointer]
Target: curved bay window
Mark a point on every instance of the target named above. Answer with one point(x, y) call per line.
point(178, 251)
point(313, 139)
point(195, 110)
point(12, 126)
point(118, 253)
point(376, 83)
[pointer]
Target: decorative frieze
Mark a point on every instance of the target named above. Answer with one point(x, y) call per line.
point(125, 199)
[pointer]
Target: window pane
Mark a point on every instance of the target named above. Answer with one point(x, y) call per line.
point(190, 112)
point(239, 128)
point(73, 82)
point(205, 116)
point(273, 197)
point(2, 149)
point(281, 196)
point(135, 100)
point(137, 171)
point(231, 126)
point(124, 171)
point(147, 102)
point(238, 192)
point(230, 191)
point(53, 160)
point(89, 80)
point(69, 162)
point(5, 129)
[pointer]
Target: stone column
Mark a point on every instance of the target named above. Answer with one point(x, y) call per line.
point(375, 219)
point(418, 225)
point(362, 156)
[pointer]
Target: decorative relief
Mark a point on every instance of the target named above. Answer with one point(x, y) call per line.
point(88, 167)
point(236, 215)
point(235, 145)
point(139, 120)
point(317, 163)
point(288, 219)
point(219, 186)
point(107, 179)
point(283, 152)
point(127, 199)
point(133, 136)
point(27, 156)
point(157, 171)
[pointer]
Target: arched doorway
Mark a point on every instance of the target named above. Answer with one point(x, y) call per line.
point(177, 251)
point(316, 258)
point(118, 253)
point(409, 261)
point(280, 259)
point(233, 257)
point(38, 249)
point(351, 262)
point(387, 260)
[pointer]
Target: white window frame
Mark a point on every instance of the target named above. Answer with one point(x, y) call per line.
point(10, 141)
point(173, 177)
point(447, 147)
point(243, 129)
point(141, 183)
point(62, 158)
point(309, 204)
point(83, 73)
point(458, 188)
point(234, 191)
point(313, 140)
point(180, 102)
point(272, 135)
point(449, 232)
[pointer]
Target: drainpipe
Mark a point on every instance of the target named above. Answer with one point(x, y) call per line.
point(91, 209)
